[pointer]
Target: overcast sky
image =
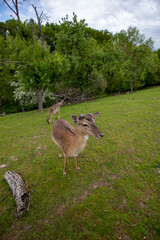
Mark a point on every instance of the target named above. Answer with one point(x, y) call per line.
point(112, 15)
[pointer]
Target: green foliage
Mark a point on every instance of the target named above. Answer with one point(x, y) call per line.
point(2, 29)
point(158, 53)
point(37, 67)
point(108, 60)
point(6, 77)
point(100, 36)
point(138, 56)
point(70, 55)
point(71, 42)
point(50, 31)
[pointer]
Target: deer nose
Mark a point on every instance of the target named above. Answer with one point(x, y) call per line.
point(101, 135)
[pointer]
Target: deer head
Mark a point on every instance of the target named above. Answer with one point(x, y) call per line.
point(86, 124)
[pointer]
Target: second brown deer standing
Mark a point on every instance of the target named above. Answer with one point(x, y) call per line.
point(54, 109)
point(72, 141)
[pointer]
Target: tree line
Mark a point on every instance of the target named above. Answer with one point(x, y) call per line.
point(43, 63)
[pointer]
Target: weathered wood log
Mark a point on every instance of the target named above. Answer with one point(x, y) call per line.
point(19, 190)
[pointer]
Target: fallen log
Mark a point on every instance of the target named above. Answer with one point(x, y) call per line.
point(19, 191)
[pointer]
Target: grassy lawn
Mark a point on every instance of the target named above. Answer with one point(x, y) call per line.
point(117, 193)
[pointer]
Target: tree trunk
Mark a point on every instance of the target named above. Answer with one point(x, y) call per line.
point(19, 190)
point(22, 108)
point(82, 95)
point(40, 99)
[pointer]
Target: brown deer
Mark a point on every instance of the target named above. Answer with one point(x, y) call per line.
point(55, 108)
point(72, 141)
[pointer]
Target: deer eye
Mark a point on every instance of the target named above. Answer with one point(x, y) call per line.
point(85, 125)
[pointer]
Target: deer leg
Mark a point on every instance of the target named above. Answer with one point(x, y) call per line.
point(77, 166)
point(65, 166)
point(47, 120)
point(52, 117)
point(58, 114)
point(60, 153)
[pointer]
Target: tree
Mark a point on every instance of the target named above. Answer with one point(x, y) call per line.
point(108, 59)
point(140, 62)
point(28, 97)
point(138, 55)
point(6, 76)
point(158, 53)
point(72, 43)
point(37, 68)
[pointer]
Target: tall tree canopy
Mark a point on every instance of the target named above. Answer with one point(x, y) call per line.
point(39, 59)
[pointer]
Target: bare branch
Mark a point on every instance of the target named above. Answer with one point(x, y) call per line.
point(9, 61)
point(17, 10)
point(10, 7)
point(19, 62)
point(41, 15)
point(15, 4)
point(32, 23)
point(39, 22)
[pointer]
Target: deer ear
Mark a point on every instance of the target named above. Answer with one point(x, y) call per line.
point(75, 119)
point(95, 115)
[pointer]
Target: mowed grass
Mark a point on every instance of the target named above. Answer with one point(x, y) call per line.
point(117, 193)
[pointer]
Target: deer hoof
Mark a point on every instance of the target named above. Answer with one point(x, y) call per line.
point(60, 155)
point(64, 174)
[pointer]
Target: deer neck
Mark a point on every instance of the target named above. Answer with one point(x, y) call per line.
point(80, 135)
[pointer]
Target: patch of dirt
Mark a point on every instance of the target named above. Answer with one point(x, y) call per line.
point(120, 205)
point(38, 149)
point(62, 207)
point(3, 166)
point(24, 228)
point(120, 233)
point(114, 176)
point(14, 158)
point(124, 236)
point(35, 137)
point(132, 149)
point(142, 205)
point(158, 170)
point(41, 147)
point(146, 208)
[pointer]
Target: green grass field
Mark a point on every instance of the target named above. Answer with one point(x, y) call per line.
point(117, 193)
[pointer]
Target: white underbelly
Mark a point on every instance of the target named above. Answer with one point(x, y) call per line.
point(54, 140)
